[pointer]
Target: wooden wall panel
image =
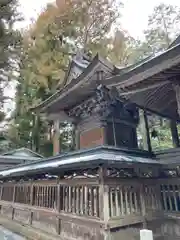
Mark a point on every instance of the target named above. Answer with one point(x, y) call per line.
point(92, 138)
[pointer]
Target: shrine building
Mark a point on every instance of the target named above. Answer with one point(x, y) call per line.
point(116, 181)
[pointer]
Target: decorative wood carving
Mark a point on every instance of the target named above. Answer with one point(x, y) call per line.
point(82, 174)
point(121, 173)
point(106, 103)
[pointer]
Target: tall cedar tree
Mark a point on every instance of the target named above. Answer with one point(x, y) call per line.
point(163, 27)
point(9, 42)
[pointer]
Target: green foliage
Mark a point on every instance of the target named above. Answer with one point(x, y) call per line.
point(163, 27)
point(163, 138)
point(9, 52)
point(123, 50)
point(9, 44)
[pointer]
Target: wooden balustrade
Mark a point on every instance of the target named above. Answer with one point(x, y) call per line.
point(170, 195)
point(84, 200)
point(81, 200)
point(124, 201)
point(116, 203)
point(152, 197)
point(73, 199)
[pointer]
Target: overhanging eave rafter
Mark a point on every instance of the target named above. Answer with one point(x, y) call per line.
point(146, 70)
point(78, 84)
point(143, 89)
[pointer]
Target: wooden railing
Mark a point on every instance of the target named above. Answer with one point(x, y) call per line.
point(74, 199)
point(71, 208)
point(124, 200)
point(170, 195)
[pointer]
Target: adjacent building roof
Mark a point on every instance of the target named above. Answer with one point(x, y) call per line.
point(23, 153)
point(17, 157)
point(90, 158)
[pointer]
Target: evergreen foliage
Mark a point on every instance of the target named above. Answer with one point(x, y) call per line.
point(9, 46)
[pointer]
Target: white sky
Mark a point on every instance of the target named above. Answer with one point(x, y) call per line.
point(134, 18)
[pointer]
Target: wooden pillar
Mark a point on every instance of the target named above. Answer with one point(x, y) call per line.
point(13, 200)
point(1, 193)
point(143, 206)
point(56, 142)
point(147, 135)
point(104, 197)
point(105, 137)
point(31, 201)
point(73, 146)
point(58, 227)
point(176, 88)
point(14, 193)
point(77, 138)
point(114, 132)
point(174, 132)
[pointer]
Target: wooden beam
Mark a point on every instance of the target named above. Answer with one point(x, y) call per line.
point(176, 88)
point(148, 139)
point(142, 89)
point(167, 105)
point(56, 142)
point(104, 197)
point(138, 74)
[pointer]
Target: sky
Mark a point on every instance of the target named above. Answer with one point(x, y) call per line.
point(134, 15)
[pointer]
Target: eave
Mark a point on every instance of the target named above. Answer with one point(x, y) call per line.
point(150, 84)
point(146, 69)
point(10, 153)
point(77, 89)
point(91, 158)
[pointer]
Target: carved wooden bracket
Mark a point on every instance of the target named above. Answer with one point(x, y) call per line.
point(105, 103)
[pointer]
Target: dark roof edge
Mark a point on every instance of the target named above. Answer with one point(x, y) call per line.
point(21, 149)
point(97, 59)
point(100, 155)
point(122, 78)
point(175, 42)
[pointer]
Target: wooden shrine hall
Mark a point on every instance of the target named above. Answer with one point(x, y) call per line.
point(110, 186)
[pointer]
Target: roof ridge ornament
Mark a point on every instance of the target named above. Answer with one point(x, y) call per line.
point(82, 59)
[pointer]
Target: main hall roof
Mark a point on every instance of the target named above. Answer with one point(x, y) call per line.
point(148, 83)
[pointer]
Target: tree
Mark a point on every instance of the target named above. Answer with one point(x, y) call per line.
point(123, 49)
point(60, 31)
point(9, 42)
point(163, 25)
point(9, 52)
point(47, 48)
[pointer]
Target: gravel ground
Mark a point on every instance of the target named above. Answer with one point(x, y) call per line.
point(8, 235)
